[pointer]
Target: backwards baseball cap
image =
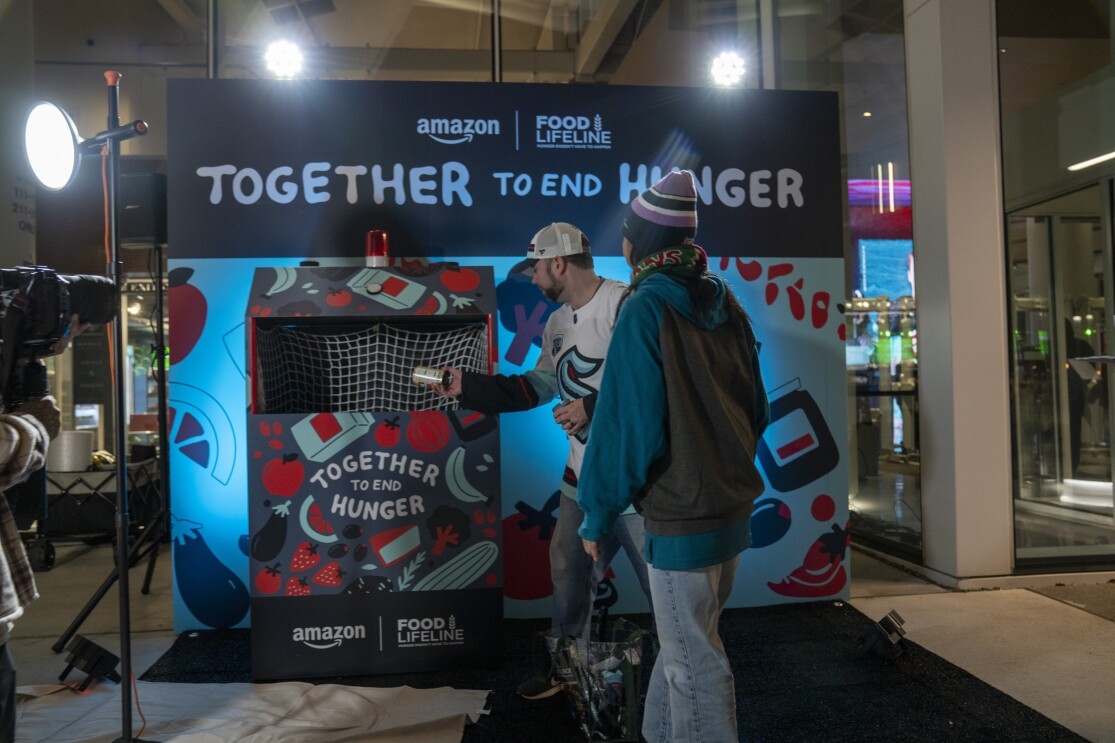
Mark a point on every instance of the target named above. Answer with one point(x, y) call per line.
point(557, 238)
point(663, 216)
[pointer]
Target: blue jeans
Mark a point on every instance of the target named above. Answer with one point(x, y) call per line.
point(575, 575)
point(692, 695)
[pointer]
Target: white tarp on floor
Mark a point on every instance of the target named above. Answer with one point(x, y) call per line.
point(248, 713)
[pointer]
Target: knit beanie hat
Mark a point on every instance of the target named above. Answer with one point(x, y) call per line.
point(663, 216)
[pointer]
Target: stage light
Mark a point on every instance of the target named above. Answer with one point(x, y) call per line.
point(284, 59)
point(727, 69)
point(54, 152)
point(886, 637)
point(54, 148)
point(52, 145)
point(93, 660)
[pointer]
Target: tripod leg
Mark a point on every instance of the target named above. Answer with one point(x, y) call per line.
point(153, 557)
point(60, 644)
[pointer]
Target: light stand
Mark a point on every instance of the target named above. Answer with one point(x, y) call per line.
point(46, 124)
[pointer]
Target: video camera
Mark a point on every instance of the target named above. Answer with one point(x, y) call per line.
point(36, 309)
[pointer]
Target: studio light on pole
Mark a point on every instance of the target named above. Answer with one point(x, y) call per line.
point(54, 152)
point(54, 149)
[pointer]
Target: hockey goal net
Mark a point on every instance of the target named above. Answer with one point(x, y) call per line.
point(305, 368)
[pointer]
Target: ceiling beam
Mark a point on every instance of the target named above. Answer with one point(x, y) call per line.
point(600, 34)
point(184, 16)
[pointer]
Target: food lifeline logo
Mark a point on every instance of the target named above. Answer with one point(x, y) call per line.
point(571, 133)
point(457, 131)
point(429, 632)
point(323, 638)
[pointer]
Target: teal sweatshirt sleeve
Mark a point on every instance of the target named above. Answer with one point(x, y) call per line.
point(629, 423)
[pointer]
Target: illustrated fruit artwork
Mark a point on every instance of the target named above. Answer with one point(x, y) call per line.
point(338, 297)
point(297, 587)
point(428, 431)
point(283, 475)
point(526, 546)
point(329, 575)
point(770, 521)
point(460, 280)
point(306, 556)
point(822, 571)
point(214, 594)
point(266, 544)
point(188, 310)
point(269, 580)
point(388, 433)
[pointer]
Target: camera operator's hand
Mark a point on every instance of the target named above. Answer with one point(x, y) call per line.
point(76, 328)
point(45, 411)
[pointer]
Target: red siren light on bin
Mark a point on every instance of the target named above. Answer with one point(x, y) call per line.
point(376, 248)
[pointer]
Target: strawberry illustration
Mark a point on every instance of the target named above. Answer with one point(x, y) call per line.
point(269, 580)
point(297, 587)
point(329, 575)
point(305, 557)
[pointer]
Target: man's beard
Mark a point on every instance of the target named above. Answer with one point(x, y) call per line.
point(553, 292)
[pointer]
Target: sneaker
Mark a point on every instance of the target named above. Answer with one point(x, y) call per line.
point(539, 687)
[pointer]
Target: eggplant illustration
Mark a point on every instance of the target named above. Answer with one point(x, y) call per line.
point(268, 542)
point(214, 594)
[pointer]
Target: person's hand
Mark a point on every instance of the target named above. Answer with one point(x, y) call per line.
point(571, 416)
point(592, 549)
point(76, 328)
point(44, 410)
point(453, 389)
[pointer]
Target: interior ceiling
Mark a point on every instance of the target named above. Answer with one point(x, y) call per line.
point(853, 46)
point(543, 40)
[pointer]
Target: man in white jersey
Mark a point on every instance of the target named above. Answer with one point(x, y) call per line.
point(570, 367)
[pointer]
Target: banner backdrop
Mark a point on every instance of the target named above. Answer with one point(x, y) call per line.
point(270, 173)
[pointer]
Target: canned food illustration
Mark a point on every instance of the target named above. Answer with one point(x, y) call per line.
point(397, 292)
point(797, 447)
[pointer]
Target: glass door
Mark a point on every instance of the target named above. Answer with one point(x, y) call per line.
point(1060, 314)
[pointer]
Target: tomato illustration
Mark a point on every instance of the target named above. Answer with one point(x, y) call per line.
point(188, 310)
point(269, 580)
point(388, 433)
point(338, 297)
point(460, 280)
point(283, 476)
point(526, 549)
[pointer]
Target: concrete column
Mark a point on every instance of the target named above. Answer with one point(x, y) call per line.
point(17, 217)
point(953, 101)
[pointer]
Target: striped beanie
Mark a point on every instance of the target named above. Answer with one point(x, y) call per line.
point(663, 216)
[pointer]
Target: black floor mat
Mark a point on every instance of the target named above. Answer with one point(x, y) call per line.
point(803, 673)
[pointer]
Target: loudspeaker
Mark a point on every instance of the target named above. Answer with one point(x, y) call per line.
point(141, 209)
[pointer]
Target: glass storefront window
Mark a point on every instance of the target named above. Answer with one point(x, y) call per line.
point(1059, 319)
point(862, 57)
point(1055, 68)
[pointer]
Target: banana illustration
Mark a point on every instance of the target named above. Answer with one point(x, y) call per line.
point(286, 276)
point(455, 478)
